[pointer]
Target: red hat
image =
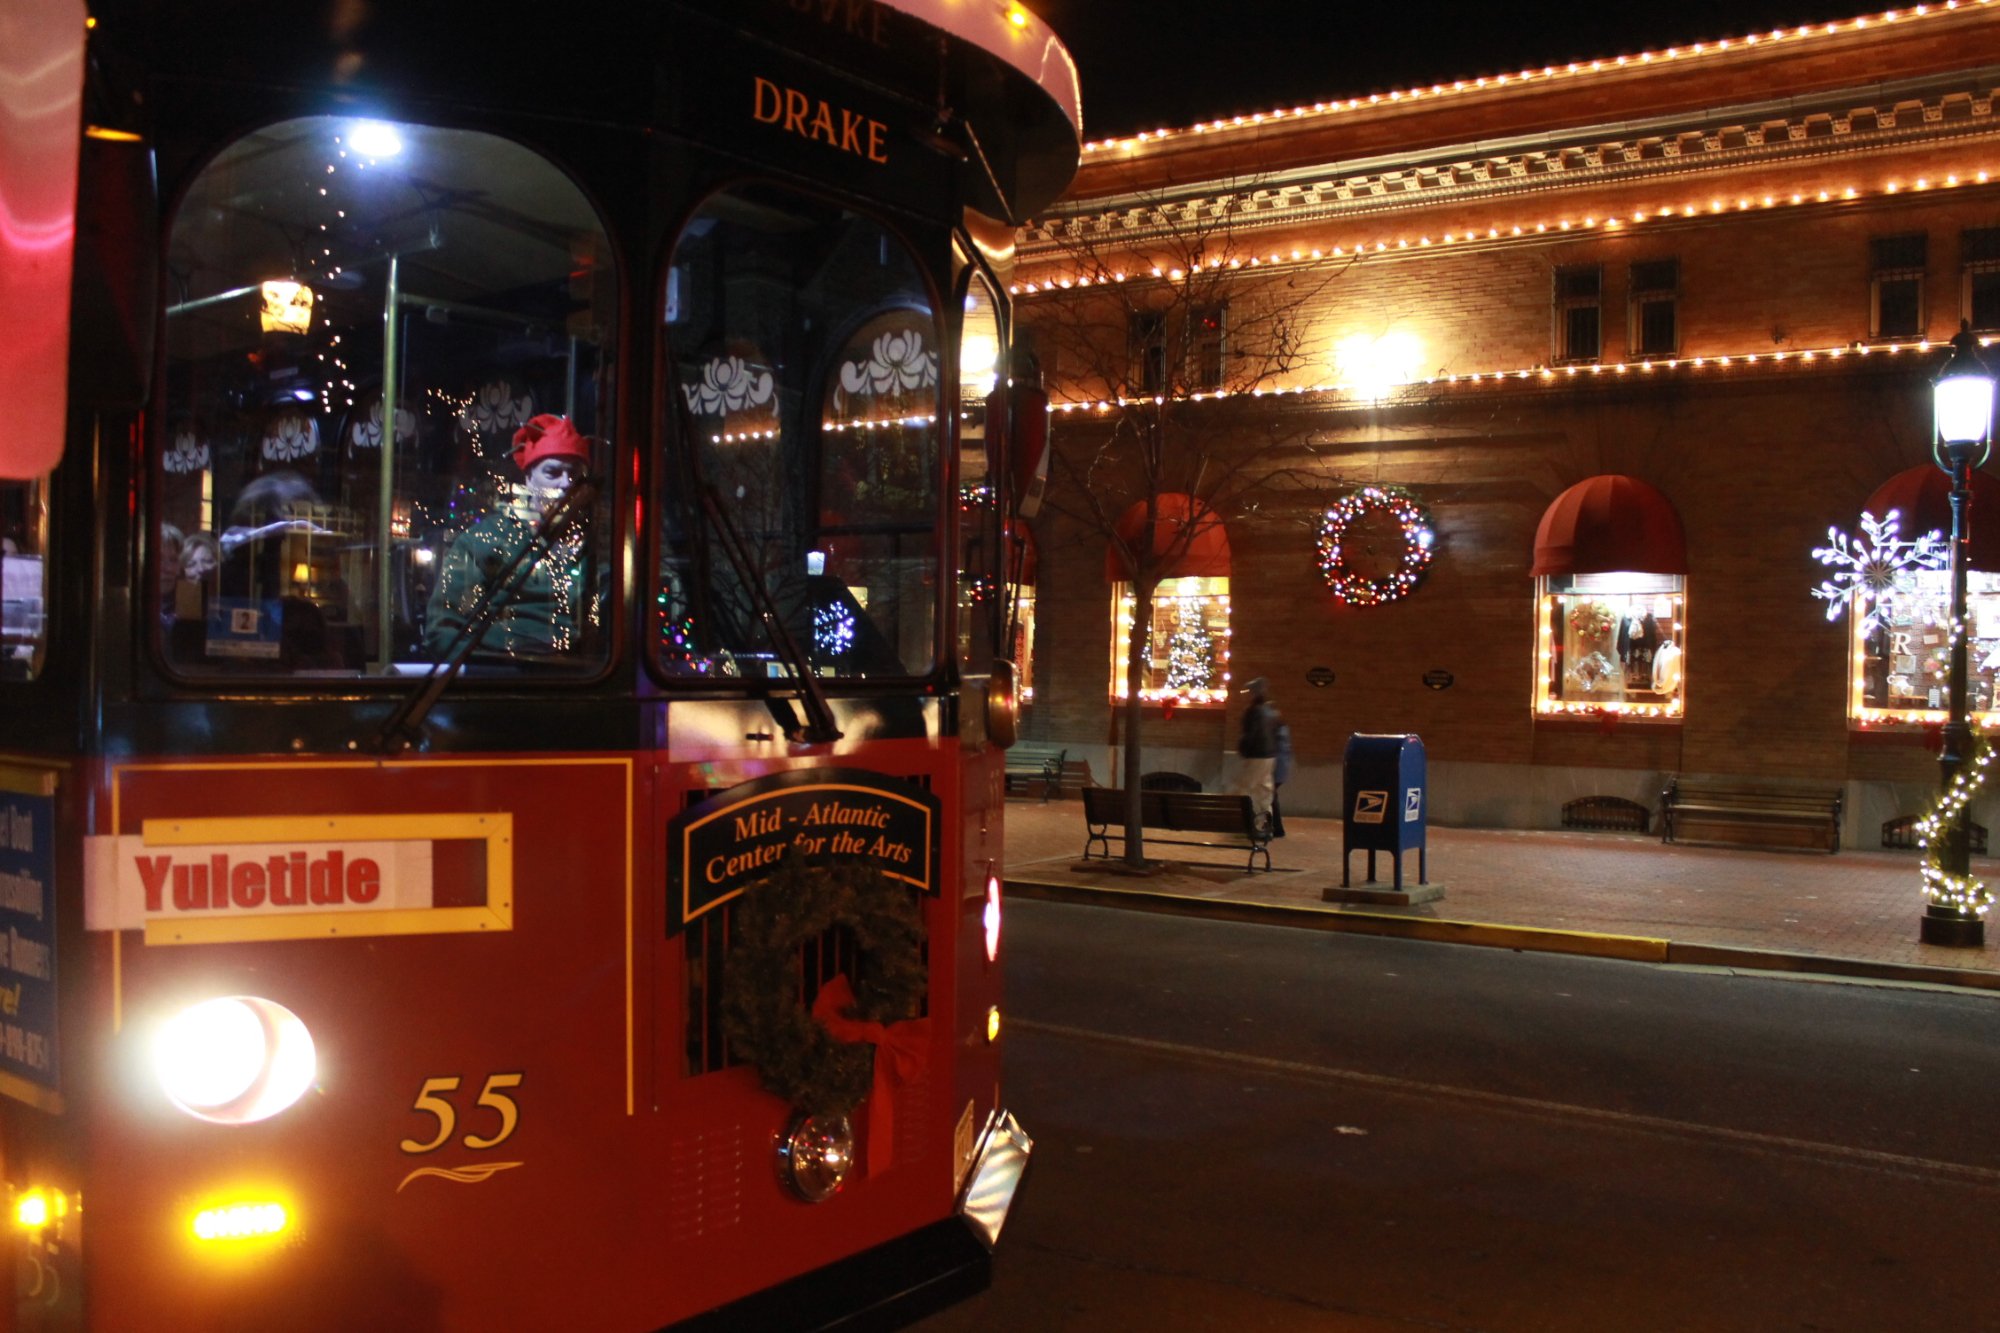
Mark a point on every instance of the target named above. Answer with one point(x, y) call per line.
point(548, 436)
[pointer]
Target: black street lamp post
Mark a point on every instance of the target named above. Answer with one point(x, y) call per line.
point(1962, 405)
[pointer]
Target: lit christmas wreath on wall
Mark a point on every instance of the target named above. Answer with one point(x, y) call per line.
point(1358, 589)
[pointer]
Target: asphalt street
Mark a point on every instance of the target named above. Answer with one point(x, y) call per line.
point(1248, 1127)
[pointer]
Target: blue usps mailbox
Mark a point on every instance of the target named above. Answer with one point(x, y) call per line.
point(1382, 801)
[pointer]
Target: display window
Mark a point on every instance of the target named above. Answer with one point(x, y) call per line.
point(1024, 644)
point(1612, 643)
point(1901, 653)
point(1187, 645)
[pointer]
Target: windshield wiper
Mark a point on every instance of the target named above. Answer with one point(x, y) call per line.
point(819, 728)
point(404, 728)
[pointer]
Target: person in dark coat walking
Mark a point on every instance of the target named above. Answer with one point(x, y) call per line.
point(1257, 747)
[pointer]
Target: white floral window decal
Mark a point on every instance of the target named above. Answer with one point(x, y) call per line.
point(367, 432)
point(291, 435)
point(897, 363)
point(731, 384)
point(496, 409)
point(189, 454)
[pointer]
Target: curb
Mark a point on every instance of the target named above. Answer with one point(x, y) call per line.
point(1527, 939)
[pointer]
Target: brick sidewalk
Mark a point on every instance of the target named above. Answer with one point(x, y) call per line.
point(1787, 909)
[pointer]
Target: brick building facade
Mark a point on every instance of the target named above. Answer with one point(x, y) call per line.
point(1725, 270)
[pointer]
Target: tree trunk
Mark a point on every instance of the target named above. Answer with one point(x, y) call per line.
point(1135, 675)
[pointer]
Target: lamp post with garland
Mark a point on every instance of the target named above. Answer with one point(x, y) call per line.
point(1962, 404)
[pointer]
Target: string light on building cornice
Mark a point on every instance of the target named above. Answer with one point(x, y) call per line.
point(1533, 77)
point(1518, 230)
point(1540, 374)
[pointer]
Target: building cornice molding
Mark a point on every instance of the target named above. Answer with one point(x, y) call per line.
point(1567, 161)
point(1846, 41)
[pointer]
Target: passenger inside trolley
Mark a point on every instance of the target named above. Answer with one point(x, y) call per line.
point(526, 562)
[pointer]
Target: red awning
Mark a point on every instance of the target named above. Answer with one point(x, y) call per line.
point(1921, 497)
point(1611, 524)
point(1203, 553)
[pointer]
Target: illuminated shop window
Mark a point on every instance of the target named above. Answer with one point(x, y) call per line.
point(1613, 643)
point(1188, 643)
point(1899, 654)
point(1024, 645)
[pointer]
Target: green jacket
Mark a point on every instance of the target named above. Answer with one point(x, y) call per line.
point(556, 610)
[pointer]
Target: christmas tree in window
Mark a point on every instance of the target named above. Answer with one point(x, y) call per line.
point(1191, 650)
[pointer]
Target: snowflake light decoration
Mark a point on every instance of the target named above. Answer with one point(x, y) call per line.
point(833, 631)
point(1868, 570)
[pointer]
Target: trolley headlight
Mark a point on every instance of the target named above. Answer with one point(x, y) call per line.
point(815, 1156)
point(235, 1059)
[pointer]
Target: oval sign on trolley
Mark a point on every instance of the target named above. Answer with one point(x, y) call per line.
point(717, 846)
point(1319, 677)
point(1438, 679)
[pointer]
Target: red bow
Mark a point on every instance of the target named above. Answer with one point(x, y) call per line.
point(902, 1053)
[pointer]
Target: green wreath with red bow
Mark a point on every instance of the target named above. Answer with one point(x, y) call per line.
point(824, 1061)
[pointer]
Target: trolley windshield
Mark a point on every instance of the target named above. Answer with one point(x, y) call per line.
point(387, 365)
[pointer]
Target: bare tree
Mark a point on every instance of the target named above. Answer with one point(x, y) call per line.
point(1169, 324)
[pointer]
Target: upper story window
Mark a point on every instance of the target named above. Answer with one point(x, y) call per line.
point(24, 578)
point(1896, 285)
point(387, 363)
point(1146, 341)
point(1979, 252)
point(1654, 300)
point(1208, 346)
point(800, 529)
point(1579, 312)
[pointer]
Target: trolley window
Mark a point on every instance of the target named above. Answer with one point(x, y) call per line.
point(981, 583)
point(388, 360)
point(24, 578)
point(801, 526)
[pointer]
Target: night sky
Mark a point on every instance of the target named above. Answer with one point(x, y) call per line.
point(1170, 63)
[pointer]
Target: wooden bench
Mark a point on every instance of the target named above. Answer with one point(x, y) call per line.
point(1230, 817)
point(1745, 813)
point(1075, 778)
point(1607, 812)
point(1032, 763)
point(1900, 834)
